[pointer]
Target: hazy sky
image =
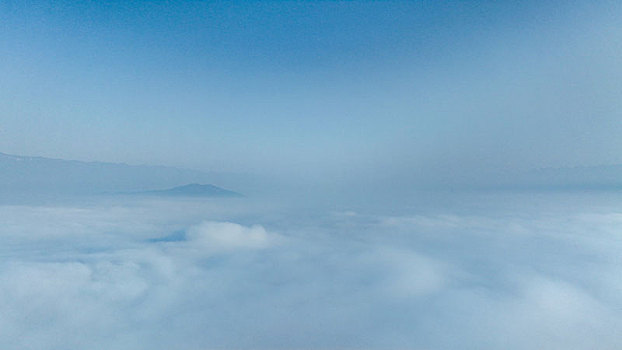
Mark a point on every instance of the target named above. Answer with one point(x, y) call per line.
point(344, 100)
point(318, 88)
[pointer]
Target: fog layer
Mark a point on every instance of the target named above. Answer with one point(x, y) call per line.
point(512, 271)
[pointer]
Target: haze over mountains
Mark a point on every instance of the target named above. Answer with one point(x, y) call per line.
point(19, 174)
point(193, 190)
point(29, 175)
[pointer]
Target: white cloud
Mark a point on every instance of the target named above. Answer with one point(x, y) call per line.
point(514, 279)
point(229, 236)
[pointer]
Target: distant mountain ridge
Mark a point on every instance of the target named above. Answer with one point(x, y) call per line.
point(600, 178)
point(579, 178)
point(194, 190)
point(39, 175)
point(29, 176)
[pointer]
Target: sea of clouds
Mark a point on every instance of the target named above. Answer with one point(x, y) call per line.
point(510, 271)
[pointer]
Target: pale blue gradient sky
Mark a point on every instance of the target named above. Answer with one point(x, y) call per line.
point(314, 89)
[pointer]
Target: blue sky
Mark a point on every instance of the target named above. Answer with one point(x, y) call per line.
point(322, 88)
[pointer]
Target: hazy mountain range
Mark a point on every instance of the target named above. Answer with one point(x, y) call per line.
point(587, 178)
point(193, 190)
point(19, 175)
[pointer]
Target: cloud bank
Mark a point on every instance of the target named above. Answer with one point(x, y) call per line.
point(196, 275)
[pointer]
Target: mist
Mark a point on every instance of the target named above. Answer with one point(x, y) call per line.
point(329, 92)
point(310, 175)
point(474, 271)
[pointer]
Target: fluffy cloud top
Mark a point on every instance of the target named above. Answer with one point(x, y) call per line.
point(229, 236)
point(161, 275)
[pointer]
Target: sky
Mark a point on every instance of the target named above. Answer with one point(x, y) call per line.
point(331, 104)
point(314, 89)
